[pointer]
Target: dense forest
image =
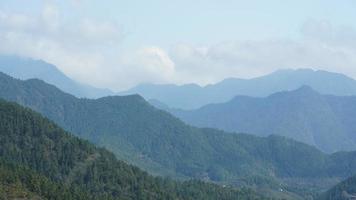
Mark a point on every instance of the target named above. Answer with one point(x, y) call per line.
point(19, 182)
point(157, 142)
point(39, 159)
point(177, 100)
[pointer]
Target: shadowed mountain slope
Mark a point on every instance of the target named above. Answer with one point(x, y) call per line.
point(327, 122)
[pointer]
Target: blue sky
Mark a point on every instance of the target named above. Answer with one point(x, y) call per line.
point(119, 44)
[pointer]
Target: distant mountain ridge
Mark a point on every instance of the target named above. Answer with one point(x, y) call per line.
point(325, 121)
point(160, 143)
point(26, 68)
point(192, 96)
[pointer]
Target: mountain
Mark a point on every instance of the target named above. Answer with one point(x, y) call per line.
point(346, 190)
point(37, 158)
point(324, 121)
point(162, 144)
point(192, 96)
point(26, 68)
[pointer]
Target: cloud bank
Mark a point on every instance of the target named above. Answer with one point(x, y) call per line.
point(91, 51)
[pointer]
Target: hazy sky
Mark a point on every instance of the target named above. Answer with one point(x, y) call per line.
point(118, 44)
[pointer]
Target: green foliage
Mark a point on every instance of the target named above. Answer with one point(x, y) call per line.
point(20, 182)
point(161, 144)
point(50, 163)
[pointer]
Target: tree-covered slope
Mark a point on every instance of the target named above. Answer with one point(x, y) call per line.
point(50, 163)
point(327, 122)
point(19, 182)
point(346, 190)
point(160, 143)
point(193, 96)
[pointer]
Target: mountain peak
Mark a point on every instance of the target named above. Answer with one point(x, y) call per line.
point(308, 70)
point(305, 88)
point(305, 91)
point(27, 68)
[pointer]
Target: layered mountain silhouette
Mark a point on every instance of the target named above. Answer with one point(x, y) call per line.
point(26, 68)
point(160, 143)
point(325, 121)
point(192, 96)
point(39, 160)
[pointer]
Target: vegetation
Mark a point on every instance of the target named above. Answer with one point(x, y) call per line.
point(18, 182)
point(40, 160)
point(342, 191)
point(161, 144)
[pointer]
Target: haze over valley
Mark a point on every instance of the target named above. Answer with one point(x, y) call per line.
point(178, 100)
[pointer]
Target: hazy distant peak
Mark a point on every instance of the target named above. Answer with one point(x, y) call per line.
point(27, 68)
point(132, 97)
point(309, 71)
point(302, 92)
point(304, 89)
point(193, 97)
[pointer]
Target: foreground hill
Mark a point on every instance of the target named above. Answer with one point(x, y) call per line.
point(19, 182)
point(38, 159)
point(160, 143)
point(327, 122)
point(192, 96)
point(26, 68)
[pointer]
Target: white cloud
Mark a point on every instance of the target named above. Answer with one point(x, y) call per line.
point(75, 47)
point(147, 64)
point(156, 60)
point(90, 51)
point(50, 17)
point(85, 49)
point(321, 46)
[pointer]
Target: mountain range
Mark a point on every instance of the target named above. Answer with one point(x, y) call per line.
point(192, 96)
point(160, 143)
point(325, 121)
point(26, 68)
point(39, 160)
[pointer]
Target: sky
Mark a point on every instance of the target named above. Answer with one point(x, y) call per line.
point(118, 44)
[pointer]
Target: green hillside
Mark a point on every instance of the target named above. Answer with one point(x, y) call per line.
point(53, 164)
point(18, 182)
point(161, 144)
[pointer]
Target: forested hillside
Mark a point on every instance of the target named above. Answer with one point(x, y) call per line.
point(39, 159)
point(345, 190)
point(160, 143)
